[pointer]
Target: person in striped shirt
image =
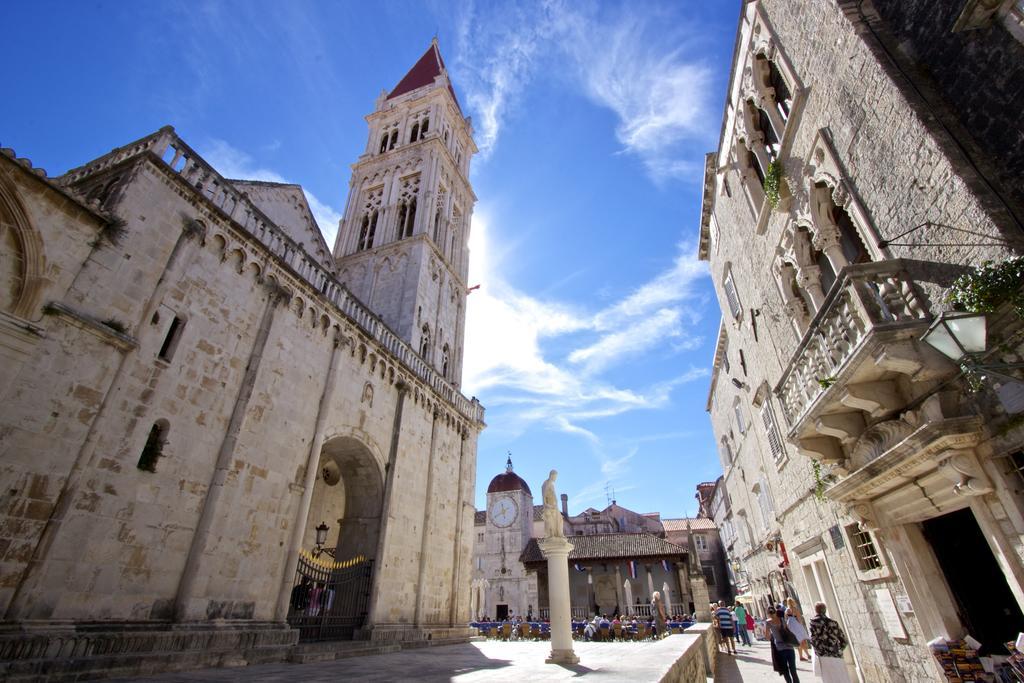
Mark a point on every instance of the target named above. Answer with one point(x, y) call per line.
point(727, 627)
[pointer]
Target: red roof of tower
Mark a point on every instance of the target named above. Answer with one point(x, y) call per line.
point(423, 72)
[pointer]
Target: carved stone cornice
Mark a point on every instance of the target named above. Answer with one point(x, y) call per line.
point(931, 441)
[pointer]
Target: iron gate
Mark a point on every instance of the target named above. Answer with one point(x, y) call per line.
point(330, 599)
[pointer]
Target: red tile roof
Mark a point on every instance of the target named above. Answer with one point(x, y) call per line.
point(696, 523)
point(423, 73)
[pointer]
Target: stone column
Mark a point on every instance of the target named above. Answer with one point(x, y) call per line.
point(556, 551)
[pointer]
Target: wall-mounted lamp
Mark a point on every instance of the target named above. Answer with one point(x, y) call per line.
point(963, 338)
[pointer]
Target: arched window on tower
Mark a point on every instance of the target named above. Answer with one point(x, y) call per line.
point(414, 135)
point(445, 359)
point(424, 128)
point(384, 143)
point(367, 231)
point(425, 341)
point(394, 139)
point(406, 218)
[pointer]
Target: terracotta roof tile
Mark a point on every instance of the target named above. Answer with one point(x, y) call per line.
point(696, 523)
point(423, 73)
point(609, 546)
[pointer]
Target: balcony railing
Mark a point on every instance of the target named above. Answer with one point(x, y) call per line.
point(237, 206)
point(866, 298)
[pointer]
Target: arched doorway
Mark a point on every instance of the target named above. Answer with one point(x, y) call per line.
point(331, 595)
point(347, 497)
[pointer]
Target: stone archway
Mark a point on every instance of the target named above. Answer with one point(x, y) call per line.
point(348, 496)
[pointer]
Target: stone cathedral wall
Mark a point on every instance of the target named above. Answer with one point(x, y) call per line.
point(120, 551)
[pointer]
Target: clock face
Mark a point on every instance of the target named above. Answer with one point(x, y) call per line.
point(503, 512)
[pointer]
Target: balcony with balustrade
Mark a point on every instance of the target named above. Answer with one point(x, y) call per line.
point(859, 362)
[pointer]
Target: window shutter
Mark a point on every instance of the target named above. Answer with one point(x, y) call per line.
point(772, 430)
point(732, 297)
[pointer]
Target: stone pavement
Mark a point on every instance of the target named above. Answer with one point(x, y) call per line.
point(468, 663)
point(754, 665)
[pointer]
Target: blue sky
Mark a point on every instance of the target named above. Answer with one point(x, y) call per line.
point(590, 338)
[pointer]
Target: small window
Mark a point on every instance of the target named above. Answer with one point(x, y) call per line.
point(424, 128)
point(415, 134)
point(444, 361)
point(394, 139)
point(709, 576)
point(731, 296)
point(154, 447)
point(384, 143)
point(700, 542)
point(863, 547)
point(171, 340)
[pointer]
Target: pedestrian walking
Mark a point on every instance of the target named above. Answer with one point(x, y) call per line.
point(793, 610)
point(726, 627)
point(741, 623)
point(658, 612)
point(783, 644)
point(828, 641)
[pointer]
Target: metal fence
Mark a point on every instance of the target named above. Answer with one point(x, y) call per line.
point(330, 599)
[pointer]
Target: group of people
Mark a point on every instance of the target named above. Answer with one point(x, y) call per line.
point(790, 636)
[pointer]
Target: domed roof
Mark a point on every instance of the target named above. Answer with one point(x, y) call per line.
point(508, 481)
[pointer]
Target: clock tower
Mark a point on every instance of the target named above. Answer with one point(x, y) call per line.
point(503, 586)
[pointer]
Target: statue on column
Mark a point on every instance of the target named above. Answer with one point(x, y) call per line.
point(552, 517)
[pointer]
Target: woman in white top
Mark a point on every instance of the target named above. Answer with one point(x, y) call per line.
point(794, 625)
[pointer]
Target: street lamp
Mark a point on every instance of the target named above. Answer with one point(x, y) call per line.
point(321, 538)
point(963, 337)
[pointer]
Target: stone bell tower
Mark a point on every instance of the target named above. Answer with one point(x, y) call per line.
point(402, 244)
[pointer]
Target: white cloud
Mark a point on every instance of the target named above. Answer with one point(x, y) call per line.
point(234, 163)
point(624, 59)
point(637, 337)
point(506, 331)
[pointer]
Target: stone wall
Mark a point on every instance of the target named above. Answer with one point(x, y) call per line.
point(82, 402)
point(899, 176)
point(974, 75)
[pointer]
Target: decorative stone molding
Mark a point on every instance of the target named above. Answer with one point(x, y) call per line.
point(962, 468)
point(876, 440)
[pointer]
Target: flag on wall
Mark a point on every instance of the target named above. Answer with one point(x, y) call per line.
point(632, 569)
point(664, 565)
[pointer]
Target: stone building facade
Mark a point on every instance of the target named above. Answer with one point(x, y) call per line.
point(852, 185)
point(192, 382)
point(509, 572)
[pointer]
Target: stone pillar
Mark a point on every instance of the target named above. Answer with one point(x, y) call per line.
point(556, 551)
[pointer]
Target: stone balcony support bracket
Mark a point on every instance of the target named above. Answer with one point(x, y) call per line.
point(874, 398)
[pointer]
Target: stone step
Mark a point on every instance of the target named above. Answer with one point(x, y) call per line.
point(328, 651)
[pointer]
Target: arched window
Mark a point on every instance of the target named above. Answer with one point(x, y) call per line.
point(367, 231)
point(410, 220)
point(154, 447)
point(444, 361)
point(425, 341)
point(424, 128)
point(394, 139)
point(414, 135)
point(384, 143)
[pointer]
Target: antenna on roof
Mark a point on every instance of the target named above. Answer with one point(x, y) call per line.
point(608, 496)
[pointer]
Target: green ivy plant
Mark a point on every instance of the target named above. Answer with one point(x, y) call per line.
point(986, 288)
point(773, 183)
point(826, 382)
point(819, 483)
